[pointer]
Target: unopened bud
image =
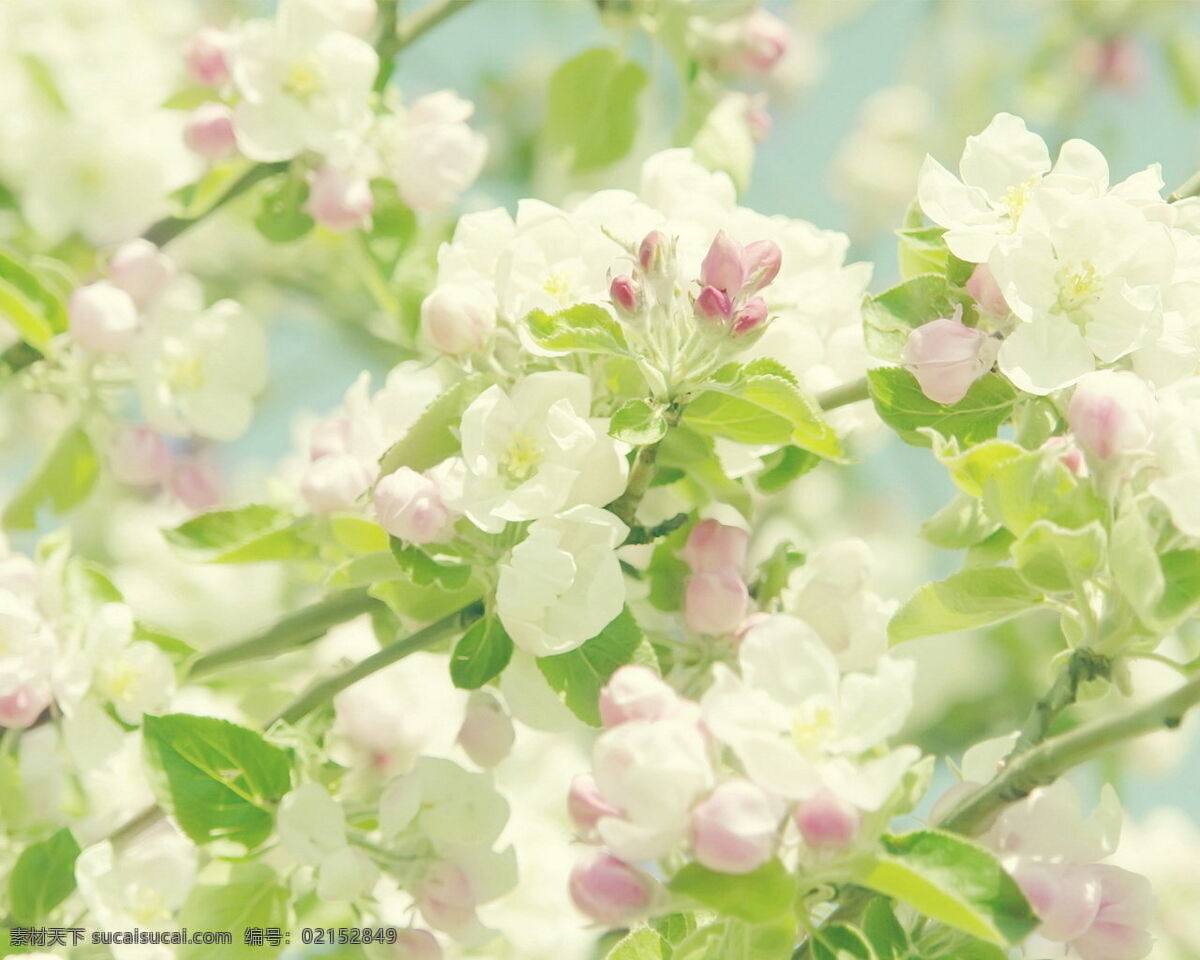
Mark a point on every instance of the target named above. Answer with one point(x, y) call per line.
point(1121, 930)
point(205, 56)
point(409, 505)
point(20, 709)
point(946, 356)
point(762, 260)
point(445, 897)
point(142, 270)
point(750, 317)
point(1066, 897)
point(1111, 413)
point(338, 200)
point(457, 318)
point(609, 890)
point(826, 821)
point(209, 132)
point(140, 457)
point(715, 604)
point(487, 732)
point(713, 307)
point(104, 317)
point(635, 692)
point(626, 295)
point(586, 805)
point(767, 40)
point(734, 829)
point(722, 267)
point(712, 545)
point(985, 291)
point(335, 482)
point(652, 252)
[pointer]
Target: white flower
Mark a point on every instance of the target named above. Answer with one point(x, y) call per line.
point(1086, 284)
point(1177, 444)
point(197, 373)
point(135, 676)
point(430, 151)
point(563, 583)
point(312, 828)
point(450, 807)
point(301, 83)
point(653, 771)
point(797, 725)
point(535, 451)
point(1049, 825)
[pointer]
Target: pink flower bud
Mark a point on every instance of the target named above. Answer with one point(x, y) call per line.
point(487, 732)
point(209, 132)
point(713, 307)
point(712, 546)
point(335, 482)
point(1122, 64)
point(826, 821)
point(205, 56)
point(722, 267)
point(715, 603)
point(635, 692)
point(142, 270)
point(457, 318)
point(626, 295)
point(1111, 413)
point(329, 436)
point(767, 39)
point(417, 945)
point(1069, 455)
point(1065, 897)
point(762, 260)
point(445, 898)
point(750, 317)
point(1120, 930)
point(196, 484)
point(339, 200)
point(985, 291)
point(409, 505)
point(586, 805)
point(609, 890)
point(734, 829)
point(104, 317)
point(21, 708)
point(652, 252)
point(140, 457)
point(759, 122)
point(946, 357)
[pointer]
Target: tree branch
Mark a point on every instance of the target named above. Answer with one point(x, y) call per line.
point(626, 505)
point(1083, 665)
point(844, 395)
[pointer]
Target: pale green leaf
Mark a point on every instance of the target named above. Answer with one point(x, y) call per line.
point(592, 108)
point(971, 598)
point(578, 675)
point(481, 654)
point(639, 423)
point(762, 896)
point(1054, 559)
point(42, 878)
point(250, 534)
point(583, 328)
point(64, 478)
point(252, 896)
point(434, 436)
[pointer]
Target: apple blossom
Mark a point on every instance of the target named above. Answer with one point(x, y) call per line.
point(562, 584)
point(734, 829)
point(104, 318)
point(626, 295)
point(946, 356)
point(140, 456)
point(209, 132)
point(487, 732)
point(982, 287)
point(418, 945)
point(536, 451)
point(1177, 449)
point(715, 603)
point(826, 822)
point(587, 805)
point(339, 200)
point(713, 546)
point(21, 708)
point(196, 483)
point(635, 692)
point(608, 890)
point(206, 56)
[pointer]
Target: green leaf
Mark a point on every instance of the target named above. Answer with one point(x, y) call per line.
point(1182, 51)
point(674, 927)
point(736, 940)
point(641, 944)
point(424, 603)
point(783, 466)
point(592, 108)
point(253, 896)
point(887, 937)
point(971, 469)
point(775, 572)
point(423, 570)
point(219, 780)
point(1053, 558)
point(902, 406)
point(1181, 593)
point(481, 654)
point(971, 598)
point(87, 588)
point(250, 534)
point(762, 407)
point(64, 478)
point(1037, 486)
point(953, 881)
point(639, 423)
point(963, 522)
point(189, 98)
point(578, 675)
point(667, 572)
point(839, 941)
point(693, 453)
point(1134, 560)
point(42, 878)
point(282, 218)
point(434, 436)
point(890, 317)
point(583, 328)
point(761, 896)
point(921, 251)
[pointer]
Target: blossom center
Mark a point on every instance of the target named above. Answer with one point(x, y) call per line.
point(1015, 198)
point(556, 286)
point(184, 372)
point(1078, 285)
point(304, 79)
point(521, 457)
point(812, 727)
point(149, 907)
